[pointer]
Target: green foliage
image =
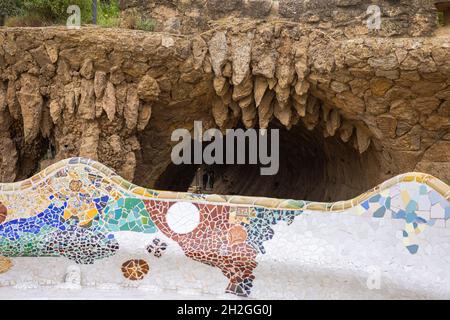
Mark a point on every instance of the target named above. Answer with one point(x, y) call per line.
point(441, 18)
point(10, 7)
point(56, 10)
point(30, 12)
point(108, 14)
point(145, 24)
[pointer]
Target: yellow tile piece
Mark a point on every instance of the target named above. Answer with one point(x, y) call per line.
point(409, 228)
point(405, 197)
point(67, 214)
point(90, 214)
point(420, 228)
point(139, 191)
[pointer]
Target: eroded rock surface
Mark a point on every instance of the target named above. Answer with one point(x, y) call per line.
point(116, 96)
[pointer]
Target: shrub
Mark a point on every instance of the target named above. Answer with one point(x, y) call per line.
point(145, 24)
point(132, 19)
point(35, 13)
point(47, 12)
point(10, 7)
point(108, 14)
point(56, 10)
point(27, 20)
point(441, 18)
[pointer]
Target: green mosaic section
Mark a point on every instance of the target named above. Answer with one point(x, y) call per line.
point(28, 245)
point(125, 214)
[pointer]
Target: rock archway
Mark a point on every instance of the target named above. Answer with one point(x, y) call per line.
point(311, 166)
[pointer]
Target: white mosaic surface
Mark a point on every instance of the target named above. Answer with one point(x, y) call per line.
point(324, 256)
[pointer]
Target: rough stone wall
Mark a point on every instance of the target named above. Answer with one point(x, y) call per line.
point(116, 96)
point(90, 93)
point(399, 17)
point(388, 97)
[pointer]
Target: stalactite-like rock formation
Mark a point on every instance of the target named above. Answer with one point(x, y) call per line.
point(116, 96)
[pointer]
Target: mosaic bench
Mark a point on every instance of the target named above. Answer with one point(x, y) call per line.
point(81, 210)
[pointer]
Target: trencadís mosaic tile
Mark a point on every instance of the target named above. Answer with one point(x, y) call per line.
point(77, 209)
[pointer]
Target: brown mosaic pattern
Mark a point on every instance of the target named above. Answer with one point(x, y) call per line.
point(3, 212)
point(135, 269)
point(236, 235)
point(75, 185)
point(5, 264)
point(215, 242)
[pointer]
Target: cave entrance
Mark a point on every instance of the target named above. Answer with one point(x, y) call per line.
point(311, 167)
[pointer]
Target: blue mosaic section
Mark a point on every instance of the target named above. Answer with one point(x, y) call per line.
point(50, 218)
point(260, 228)
point(49, 234)
point(417, 204)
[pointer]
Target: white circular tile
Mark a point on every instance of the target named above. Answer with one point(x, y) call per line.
point(183, 217)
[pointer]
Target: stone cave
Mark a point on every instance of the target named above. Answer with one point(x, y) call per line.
point(311, 167)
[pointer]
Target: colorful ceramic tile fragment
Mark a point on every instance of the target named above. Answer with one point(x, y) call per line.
point(77, 207)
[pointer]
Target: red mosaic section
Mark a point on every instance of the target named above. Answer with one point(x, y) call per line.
point(215, 242)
